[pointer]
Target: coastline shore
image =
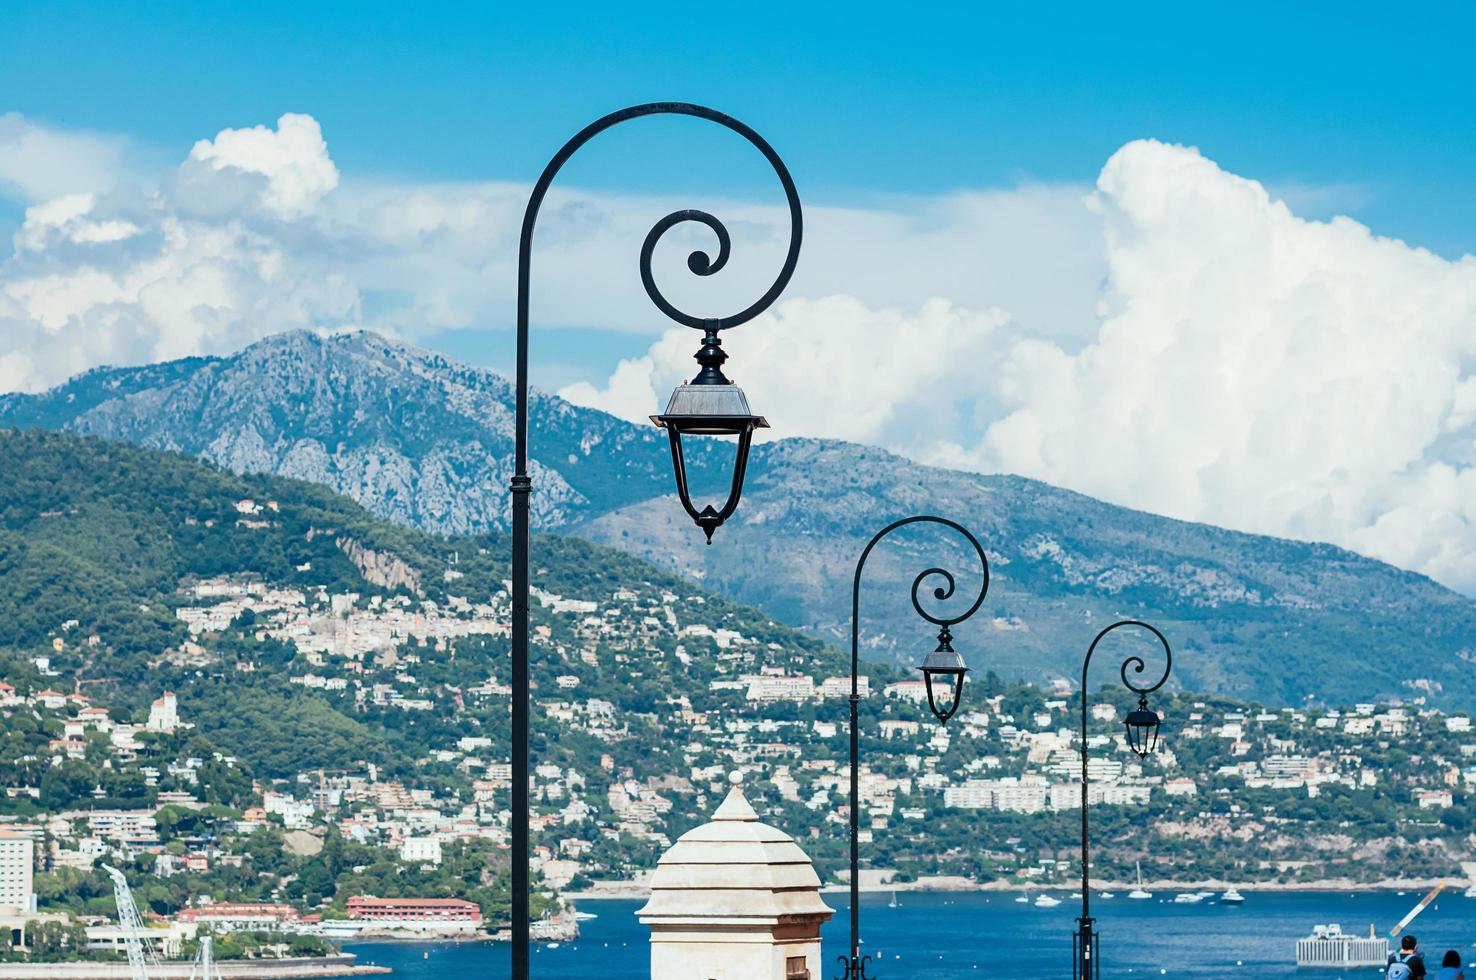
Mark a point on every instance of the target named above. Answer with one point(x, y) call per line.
point(635, 890)
point(346, 965)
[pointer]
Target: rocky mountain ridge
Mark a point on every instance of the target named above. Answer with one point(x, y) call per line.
point(427, 441)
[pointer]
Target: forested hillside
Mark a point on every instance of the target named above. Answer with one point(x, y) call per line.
point(350, 675)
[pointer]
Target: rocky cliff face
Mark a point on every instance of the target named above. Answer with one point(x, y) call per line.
point(381, 568)
point(427, 441)
point(408, 433)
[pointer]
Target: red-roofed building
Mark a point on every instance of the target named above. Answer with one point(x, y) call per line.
point(75, 748)
point(438, 915)
point(240, 916)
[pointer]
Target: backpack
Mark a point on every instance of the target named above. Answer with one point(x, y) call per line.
point(1399, 968)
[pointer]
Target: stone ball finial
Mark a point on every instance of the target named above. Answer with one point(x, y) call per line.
point(735, 777)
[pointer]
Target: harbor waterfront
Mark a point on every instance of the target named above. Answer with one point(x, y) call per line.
point(262, 969)
point(995, 935)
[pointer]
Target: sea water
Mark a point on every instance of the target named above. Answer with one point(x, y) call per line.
point(933, 936)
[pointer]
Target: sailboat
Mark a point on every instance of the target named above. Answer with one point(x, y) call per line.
point(1139, 892)
point(893, 903)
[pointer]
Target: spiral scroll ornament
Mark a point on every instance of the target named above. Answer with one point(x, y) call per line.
point(1134, 662)
point(698, 262)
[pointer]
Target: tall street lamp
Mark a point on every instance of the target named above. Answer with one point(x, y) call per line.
point(1142, 726)
point(941, 664)
point(709, 405)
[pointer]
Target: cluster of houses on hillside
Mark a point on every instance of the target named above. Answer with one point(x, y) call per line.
point(367, 652)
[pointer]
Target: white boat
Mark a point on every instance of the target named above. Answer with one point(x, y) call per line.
point(585, 916)
point(1138, 892)
point(893, 903)
point(1022, 899)
point(1188, 898)
point(1046, 902)
point(1231, 897)
point(1470, 892)
point(1106, 894)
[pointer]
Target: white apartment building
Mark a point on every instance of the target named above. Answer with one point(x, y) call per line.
point(772, 688)
point(17, 896)
point(840, 687)
point(164, 714)
point(1286, 765)
point(134, 828)
point(421, 850)
point(1028, 795)
point(916, 691)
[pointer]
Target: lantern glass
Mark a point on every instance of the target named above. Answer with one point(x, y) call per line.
point(710, 409)
point(943, 672)
point(1142, 729)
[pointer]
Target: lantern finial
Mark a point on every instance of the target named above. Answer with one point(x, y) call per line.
point(1142, 728)
point(944, 665)
point(709, 405)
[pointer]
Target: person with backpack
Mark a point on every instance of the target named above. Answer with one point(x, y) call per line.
point(1450, 967)
point(1407, 964)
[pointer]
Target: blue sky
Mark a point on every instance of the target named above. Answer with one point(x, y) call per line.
point(1372, 111)
point(1212, 261)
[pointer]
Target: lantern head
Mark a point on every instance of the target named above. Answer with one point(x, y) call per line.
point(709, 405)
point(943, 672)
point(1142, 728)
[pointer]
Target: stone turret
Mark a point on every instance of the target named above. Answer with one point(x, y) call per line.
point(735, 899)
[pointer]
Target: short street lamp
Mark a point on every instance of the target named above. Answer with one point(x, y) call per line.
point(941, 663)
point(1142, 726)
point(710, 405)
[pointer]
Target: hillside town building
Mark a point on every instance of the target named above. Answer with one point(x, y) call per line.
point(17, 863)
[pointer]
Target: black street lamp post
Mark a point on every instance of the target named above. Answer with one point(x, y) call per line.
point(709, 405)
point(942, 662)
point(1142, 726)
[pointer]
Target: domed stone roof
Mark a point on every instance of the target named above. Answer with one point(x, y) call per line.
point(732, 869)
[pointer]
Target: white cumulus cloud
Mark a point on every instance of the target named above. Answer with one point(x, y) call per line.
point(1246, 367)
point(40, 162)
point(123, 274)
point(291, 162)
point(1259, 371)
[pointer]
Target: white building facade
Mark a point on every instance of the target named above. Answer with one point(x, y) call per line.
point(164, 713)
point(17, 860)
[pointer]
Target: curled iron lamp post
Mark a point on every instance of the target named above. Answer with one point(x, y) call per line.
point(942, 662)
point(1142, 726)
point(709, 405)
